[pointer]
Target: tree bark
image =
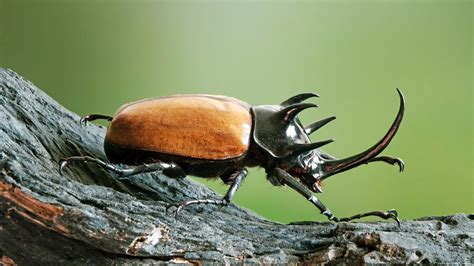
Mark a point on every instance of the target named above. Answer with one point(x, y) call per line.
point(87, 216)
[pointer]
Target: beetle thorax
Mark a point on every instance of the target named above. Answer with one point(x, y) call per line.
point(285, 141)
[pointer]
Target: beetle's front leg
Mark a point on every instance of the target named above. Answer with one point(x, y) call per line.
point(290, 181)
point(390, 214)
point(287, 179)
point(389, 160)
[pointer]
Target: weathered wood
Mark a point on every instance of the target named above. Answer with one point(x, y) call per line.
point(87, 216)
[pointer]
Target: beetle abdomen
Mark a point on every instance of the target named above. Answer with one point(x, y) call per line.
point(196, 126)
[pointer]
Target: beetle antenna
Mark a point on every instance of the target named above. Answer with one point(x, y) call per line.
point(317, 125)
point(289, 113)
point(297, 149)
point(298, 98)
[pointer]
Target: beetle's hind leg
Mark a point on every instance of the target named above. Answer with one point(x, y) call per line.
point(168, 169)
point(93, 117)
point(237, 178)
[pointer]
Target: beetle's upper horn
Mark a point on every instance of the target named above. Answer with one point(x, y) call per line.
point(336, 166)
point(298, 98)
point(317, 125)
point(290, 112)
point(297, 149)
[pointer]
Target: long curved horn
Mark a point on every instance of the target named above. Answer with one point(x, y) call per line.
point(336, 166)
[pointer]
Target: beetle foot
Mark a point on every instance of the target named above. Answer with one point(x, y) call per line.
point(67, 161)
point(62, 163)
point(83, 121)
point(389, 160)
point(179, 207)
point(390, 214)
point(330, 216)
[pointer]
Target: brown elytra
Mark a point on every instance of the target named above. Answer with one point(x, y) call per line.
point(197, 126)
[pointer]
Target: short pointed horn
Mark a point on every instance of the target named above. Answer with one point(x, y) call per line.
point(298, 98)
point(317, 125)
point(290, 112)
point(336, 166)
point(297, 149)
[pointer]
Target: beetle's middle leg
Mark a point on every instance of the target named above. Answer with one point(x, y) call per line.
point(169, 169)
point(237, 178)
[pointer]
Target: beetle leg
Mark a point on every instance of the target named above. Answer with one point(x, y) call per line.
point(389, 160)
point(169, 169)
point(93, 117)
point(390, 214)
point(305, 192)
point(238, 177)
point(290, 181)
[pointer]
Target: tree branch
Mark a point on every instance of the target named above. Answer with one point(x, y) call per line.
point(87, 216)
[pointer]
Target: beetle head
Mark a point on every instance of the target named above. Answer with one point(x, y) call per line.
point(308, 170)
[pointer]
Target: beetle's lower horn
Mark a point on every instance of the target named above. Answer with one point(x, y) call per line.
point(336, 166)
point(297, 149)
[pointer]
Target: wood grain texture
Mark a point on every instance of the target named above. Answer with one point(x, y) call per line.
point(197, 126)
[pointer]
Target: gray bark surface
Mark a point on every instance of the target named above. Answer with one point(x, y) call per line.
point(87, 216)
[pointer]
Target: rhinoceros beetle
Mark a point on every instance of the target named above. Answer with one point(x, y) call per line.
point(218, 136)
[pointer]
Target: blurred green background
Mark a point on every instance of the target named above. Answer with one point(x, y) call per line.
point(93, 56)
